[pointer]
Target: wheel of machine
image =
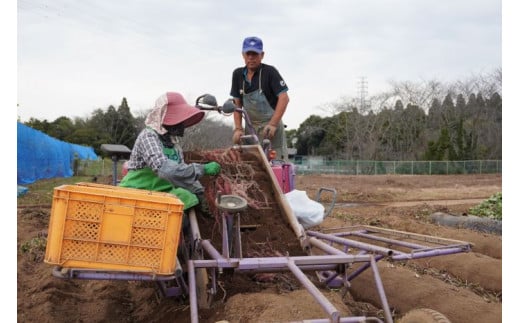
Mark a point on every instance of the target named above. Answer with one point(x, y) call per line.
point(189, 250)
point(202, 284)
point(424, 315)
point(202, 278)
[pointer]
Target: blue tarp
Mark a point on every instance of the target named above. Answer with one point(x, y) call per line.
point(42, 156)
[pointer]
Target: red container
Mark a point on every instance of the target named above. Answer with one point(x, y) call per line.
point(285, 176)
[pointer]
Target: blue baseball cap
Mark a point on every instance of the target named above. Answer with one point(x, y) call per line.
point(252, 44)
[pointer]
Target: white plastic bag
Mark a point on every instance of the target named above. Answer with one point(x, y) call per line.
point(308, 212)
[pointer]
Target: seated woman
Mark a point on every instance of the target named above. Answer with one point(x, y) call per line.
point(157, 162)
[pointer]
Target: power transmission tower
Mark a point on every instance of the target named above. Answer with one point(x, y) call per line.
point(363, 93)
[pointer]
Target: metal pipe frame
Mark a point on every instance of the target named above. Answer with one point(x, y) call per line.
point(443, 247)
point(333, 263)
point(296, 265)
point(398, 234)
point(90, 274)
point(352, 243)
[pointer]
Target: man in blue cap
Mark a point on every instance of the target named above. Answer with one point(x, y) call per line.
point(262, 92)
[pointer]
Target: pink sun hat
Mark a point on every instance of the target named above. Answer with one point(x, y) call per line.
point(179, 111)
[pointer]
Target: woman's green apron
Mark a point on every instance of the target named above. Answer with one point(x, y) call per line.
point(146, 179)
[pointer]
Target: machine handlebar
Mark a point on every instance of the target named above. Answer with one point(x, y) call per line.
point(208, 102)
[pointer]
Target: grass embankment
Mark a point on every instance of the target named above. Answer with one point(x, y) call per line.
point(40, 192)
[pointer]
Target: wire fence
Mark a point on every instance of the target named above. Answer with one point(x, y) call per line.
point(366, 167)
point(105, 167)
point(100, 167)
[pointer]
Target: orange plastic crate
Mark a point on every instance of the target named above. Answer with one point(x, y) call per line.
point(105, 227)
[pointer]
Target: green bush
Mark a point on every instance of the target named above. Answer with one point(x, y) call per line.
point(490, 208)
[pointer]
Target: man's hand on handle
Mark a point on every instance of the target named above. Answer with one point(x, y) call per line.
point(237, 133)
point(269, 131)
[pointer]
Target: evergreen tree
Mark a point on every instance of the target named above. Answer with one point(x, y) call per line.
point(126, 125)
point(447, 110)
point(43, 126)
point(434, 120)
point(443, 147)
point(460, 107)
point(310, 134)
point(114, 126)
point(61, 128)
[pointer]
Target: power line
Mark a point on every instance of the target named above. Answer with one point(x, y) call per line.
point(105, 18)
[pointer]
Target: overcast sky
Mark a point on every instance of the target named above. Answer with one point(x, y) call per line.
point(77, 56)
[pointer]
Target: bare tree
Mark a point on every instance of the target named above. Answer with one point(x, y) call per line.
point(208, 134)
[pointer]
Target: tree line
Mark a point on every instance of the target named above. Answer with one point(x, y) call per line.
point(451, 130)
point(119, 126)
point(413, 121)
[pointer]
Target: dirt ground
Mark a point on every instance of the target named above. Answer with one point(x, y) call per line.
point(465, 287)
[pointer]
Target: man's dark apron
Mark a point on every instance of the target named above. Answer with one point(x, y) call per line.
point(260, 113)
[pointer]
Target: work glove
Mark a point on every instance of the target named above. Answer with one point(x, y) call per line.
point(212, 168)
point(237, 134)
point(269, 131)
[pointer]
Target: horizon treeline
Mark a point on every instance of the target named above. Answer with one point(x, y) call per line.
point(414, 121)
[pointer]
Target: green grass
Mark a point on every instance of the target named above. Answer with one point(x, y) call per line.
point(41, 192)
point(34, 248)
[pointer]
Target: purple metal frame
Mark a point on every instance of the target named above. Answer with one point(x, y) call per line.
point(331, 255)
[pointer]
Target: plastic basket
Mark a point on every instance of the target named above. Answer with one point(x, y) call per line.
point(104, 227)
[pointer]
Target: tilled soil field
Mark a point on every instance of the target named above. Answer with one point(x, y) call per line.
point(464, 287)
